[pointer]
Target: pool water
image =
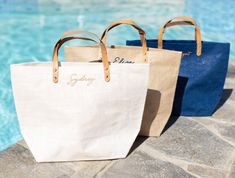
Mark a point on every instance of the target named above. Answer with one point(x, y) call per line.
point(29, 29)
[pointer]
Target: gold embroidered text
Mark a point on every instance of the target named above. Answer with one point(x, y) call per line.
point(187, 54)
point(74, 78)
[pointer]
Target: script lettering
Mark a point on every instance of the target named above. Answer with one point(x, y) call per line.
point(74, 78)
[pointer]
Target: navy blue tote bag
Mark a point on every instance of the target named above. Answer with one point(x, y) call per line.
point(202, 71)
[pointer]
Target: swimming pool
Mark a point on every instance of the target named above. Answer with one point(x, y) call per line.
point(29, 29)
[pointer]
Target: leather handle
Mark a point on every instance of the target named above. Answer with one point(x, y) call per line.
point(182, 20)
point(77, 31)
point(133, 24)
point(61, 41)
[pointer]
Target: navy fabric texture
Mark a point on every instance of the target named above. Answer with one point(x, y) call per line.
point(201, 78)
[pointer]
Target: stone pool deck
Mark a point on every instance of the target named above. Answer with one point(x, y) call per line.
point(189, 147)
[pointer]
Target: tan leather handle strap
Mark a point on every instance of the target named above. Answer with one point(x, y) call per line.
point(62, 41)
point(182, 20)
point(181, 23)
point(76, 32)
point(174, 23)
point(133, 24)
point(178, 23)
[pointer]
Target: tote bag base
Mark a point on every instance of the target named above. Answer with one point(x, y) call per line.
point(82, 117)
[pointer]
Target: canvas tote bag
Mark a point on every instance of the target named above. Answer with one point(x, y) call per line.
point(89, 111)
point(202, 72)
point(164, 67)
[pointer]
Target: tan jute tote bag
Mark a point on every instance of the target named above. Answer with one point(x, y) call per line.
point(164, 69)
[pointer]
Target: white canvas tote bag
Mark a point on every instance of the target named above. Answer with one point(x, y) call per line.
point(164, 69)
point(89, 111)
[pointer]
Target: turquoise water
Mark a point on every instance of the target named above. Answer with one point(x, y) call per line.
point(29, 29)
